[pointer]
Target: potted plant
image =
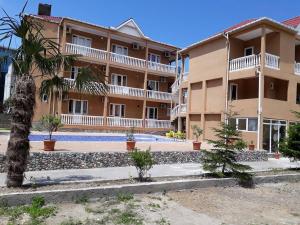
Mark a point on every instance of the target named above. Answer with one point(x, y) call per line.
point(251, 146)
point(130, 142)
point(50, 123)
point(197, 131)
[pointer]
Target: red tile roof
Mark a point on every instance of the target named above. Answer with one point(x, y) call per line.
point(293, 22)
point(239, 25)
point(50, 18)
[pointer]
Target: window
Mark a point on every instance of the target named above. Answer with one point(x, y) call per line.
point(298, 94)
point(117, 110)
point(151, 112)
point(74, 72)
point(45, 98)
point(244, 124)
point(78, 106)
point(120, 80)
point(83, 41)
point(154, 58)
point(153, 85)
point(248, 51)
point(233, 90)
point(121, 50)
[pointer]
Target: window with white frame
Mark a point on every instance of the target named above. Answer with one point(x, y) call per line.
point(154, 58)
point(153, 85)
point(74, 72)
point(117, 110)
point(151, 112)
point(244, 124)
point(117, 79)
point(248, 51)
point(233, 92)
point(83, 41)
point(78, 106)
point(119, 49)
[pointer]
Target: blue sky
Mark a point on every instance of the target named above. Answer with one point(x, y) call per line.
point(178, 22)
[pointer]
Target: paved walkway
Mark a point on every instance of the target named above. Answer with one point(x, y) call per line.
point(114, 173)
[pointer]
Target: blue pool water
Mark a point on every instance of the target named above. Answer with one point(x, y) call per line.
point(100, 138)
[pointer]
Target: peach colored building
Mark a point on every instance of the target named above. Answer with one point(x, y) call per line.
point(139, 74)
point(253, 67)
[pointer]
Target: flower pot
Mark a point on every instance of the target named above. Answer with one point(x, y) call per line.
point(196, 145)
point(130, 145)
point(49, 145)
point(251, 147)
point(277, 155)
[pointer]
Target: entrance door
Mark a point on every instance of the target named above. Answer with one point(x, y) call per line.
point(273, 133)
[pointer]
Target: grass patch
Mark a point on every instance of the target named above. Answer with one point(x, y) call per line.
point(124, 197)
point(82, 200)
point(128, 217)
point(154, 205)
point(37, 211)
point(162, 221)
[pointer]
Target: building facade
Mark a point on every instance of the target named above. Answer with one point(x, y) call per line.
point(139, 73)
point(252, 68)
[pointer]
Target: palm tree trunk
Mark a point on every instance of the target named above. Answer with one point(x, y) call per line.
point(23, 102)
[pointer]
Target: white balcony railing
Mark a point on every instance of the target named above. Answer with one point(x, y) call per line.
point(297, 68)
point(124, 122)
point(159, 95)
point(86, 51)
point(161, 67)
point(178, 81)
point(272, 61)
point(70, 119)
point(152, 123)
point(127, 91)
point(245, 62)
point(178, 110)
point(130, 61)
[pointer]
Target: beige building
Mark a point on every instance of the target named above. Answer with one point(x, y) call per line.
point(139, 74)
point(253, 67)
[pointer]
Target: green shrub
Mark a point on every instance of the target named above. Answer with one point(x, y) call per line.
point(142, 161)
point(50, 123)
point(130, 134)
point(197, 131)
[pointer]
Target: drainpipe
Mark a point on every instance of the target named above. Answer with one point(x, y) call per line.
point(259, 107)
point(226, 36)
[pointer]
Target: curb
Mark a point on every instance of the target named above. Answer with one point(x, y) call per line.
point(70, 195)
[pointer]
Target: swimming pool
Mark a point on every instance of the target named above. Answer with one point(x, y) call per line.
point(100, 138)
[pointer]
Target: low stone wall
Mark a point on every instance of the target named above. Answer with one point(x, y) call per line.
point(76, 160)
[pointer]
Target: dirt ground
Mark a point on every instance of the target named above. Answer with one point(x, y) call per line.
point(268, 204)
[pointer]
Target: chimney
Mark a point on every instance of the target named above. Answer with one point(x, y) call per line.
point(44, 10)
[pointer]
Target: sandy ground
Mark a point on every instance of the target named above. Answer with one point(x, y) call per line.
point(73, 146)
point(272, 204)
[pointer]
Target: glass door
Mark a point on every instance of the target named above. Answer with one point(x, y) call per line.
point(274, 132)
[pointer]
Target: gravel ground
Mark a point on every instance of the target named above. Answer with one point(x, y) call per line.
point(271, 204)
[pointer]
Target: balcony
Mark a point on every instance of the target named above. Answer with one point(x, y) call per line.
point(297, 68)
point(159, 95)
point(105, 56)
point(86, 120)
point(251, 61)
point(179, 110)
point(124, 122)
point(178, 82)
point(126, 91)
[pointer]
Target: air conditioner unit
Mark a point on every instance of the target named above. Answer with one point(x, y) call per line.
point(167, 54)
point(163, 105)
point(68, 30)
point(135, 46)
point(163, 79)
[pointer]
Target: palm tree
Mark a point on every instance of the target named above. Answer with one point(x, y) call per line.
point(36, 57)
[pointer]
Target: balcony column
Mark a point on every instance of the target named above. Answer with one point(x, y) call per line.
point(261, 90)
point(61, 74)
point(145, 86)
point(182, 67)
point(179, 123)
point(106, 79)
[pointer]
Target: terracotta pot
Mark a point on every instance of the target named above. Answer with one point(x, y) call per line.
point(49, 145)
point(251, 147)
point(277, 155)
point(196, 145)
point(130, 145)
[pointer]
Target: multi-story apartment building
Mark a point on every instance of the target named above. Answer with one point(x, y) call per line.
point(252, 67)
point(138, 73)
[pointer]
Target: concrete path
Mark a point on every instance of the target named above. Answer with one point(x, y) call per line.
point(115, 173)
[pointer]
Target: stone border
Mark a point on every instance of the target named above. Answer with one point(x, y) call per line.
point(88, 160)
point(70, 195)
